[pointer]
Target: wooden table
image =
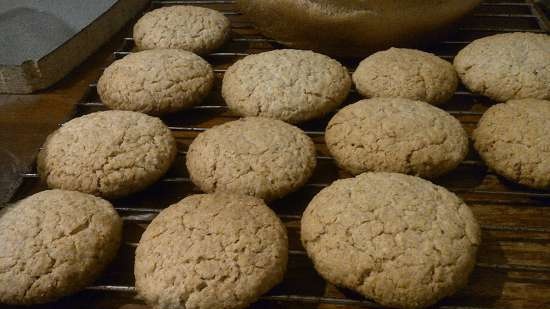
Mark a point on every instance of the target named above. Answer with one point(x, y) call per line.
point(513, 269)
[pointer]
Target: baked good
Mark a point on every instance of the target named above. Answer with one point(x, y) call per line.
point(156, 81)
point(192, 28)
point(54, 243)
point(353, 27)
point(406, 242)
point(262, 157)
point(513, 139)
point(507, 66)
point(396, 135)
point(211, 251)
point(406, 73)
point(109, 154)
point(289, 85)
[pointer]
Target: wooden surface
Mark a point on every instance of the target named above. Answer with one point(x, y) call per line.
point(513, 269)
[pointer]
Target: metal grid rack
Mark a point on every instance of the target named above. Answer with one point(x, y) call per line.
point(525, 211)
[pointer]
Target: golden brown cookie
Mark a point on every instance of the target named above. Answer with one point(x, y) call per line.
point(262, 157)
point(396, 135)
point(406, 73)
point(109, 154)
point(54, 243)
point(507, 66)
point(192, 28)
point(287, 84)
point(398, 239)
point(513, 138)
point(156, 81)
point(211, 251)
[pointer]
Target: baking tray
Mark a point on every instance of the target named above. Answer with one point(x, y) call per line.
point(513, 265)
point(43, 40)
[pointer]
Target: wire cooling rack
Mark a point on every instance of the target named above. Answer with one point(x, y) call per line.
point(513, 268)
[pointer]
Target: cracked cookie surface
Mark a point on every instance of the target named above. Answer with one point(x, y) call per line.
point(513, 139)
point(507, 66)
point(109, 154)
point(406, 73)
point(396, 135)
point(211, 251)
point(156, 81)
point(262, 157)
point(54, 243)
point(395, 238)
point(287, 84)
point(196, 29)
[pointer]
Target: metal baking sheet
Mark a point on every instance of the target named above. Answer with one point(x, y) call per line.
point(31, 29)
point(43, 40)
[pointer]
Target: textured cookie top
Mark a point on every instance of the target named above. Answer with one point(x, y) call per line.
point(211, 251)
point(290, 85)
point(513, 138)
point(196, 29)
point(156, 81)
point(109, 154)
point(54, 243)
point(262, 157)
point(396, 135)
point(406, 242)
point(406, 73)
point(507, 66)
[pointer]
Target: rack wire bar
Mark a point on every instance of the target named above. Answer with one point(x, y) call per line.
point(498, 3)
point(29, 175)
point(291, 298)
point(319, 157)
point(148, 214)
point(120, 54)
point(499, 267)
point(281, 298)
point(112, 288)
point(458, 92)
point(225, 108)
point(323, 185)
point(490, 29)
point(503, 15)
point(514, 267)
point(272, 41)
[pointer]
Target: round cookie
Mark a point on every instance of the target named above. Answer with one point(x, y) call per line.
point(406, 73)
point(211, 251)
point(287, 84)
point(196, 29)
point(109, 154)
point(262, 157)
point(513, 139)
point(55, 243)
point(396, 135)
point(507, 66)
point(156, 81)
point(407, 243)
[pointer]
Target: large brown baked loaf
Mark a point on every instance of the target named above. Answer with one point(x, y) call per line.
point(359, 25)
